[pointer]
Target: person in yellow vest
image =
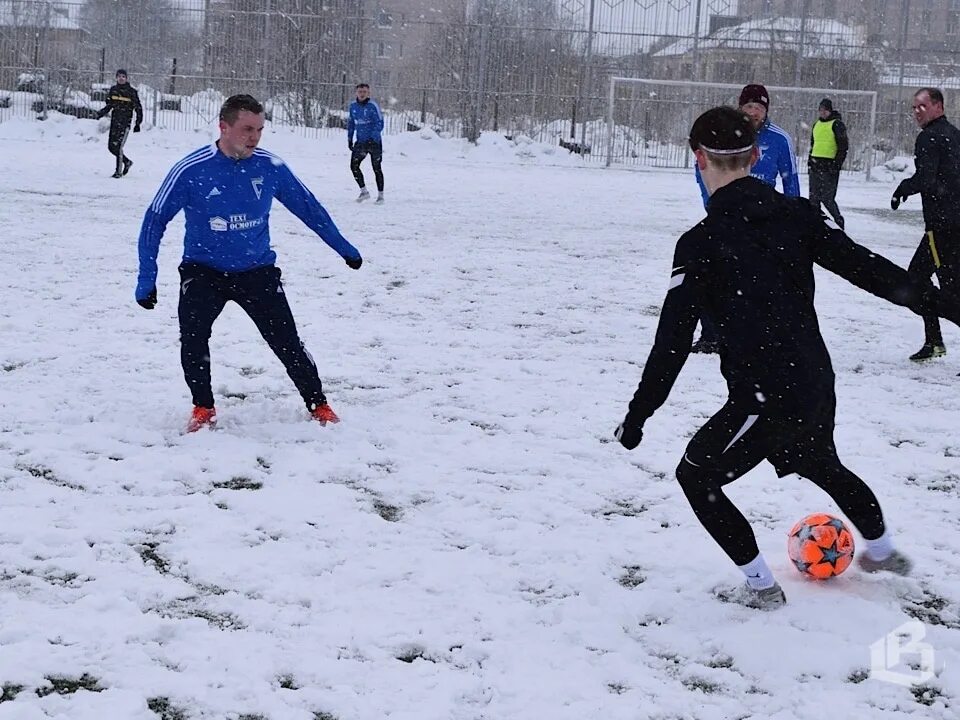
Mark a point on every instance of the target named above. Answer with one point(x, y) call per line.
point(828, 150)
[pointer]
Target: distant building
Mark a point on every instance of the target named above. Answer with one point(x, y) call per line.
point(767, 50)
point(933, 25)
point(38, 36)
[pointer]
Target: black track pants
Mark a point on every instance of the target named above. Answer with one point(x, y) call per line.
point(203, 294)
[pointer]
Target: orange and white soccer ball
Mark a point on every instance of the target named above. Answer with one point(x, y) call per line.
point(820, 546)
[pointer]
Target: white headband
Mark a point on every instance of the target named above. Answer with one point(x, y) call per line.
point(716, 151)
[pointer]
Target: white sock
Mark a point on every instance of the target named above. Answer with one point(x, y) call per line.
point(759, 576)
point(881, 548)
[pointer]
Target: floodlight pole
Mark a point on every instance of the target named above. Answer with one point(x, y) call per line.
point(803, 31)
point(696, 43)
point(610, 100)
point(586, 82)
point(903, 42)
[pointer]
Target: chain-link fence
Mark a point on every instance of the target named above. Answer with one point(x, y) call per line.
point(538, 68)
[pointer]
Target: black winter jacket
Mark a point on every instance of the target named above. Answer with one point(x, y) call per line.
point(937, 178)
point(748, 266)
point(123, 101)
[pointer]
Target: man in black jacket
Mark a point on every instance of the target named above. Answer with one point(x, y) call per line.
point(749, 267)
point(828, 150)
point(122, 102)
point(937, 179)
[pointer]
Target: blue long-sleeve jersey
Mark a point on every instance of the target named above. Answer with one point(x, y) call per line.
point(777, 157)
point(366, 120)
point(226, 203)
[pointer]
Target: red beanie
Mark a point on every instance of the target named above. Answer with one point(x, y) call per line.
point(755, 93)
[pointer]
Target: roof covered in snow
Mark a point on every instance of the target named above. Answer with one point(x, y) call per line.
point(822, 38)
point(54, 15)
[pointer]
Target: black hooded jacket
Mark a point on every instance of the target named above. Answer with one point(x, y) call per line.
point(937, 178)
point(748, 266)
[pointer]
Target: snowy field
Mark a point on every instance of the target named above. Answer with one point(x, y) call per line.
point(469, 543)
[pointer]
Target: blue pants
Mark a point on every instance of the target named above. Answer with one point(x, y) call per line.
point(203, 294)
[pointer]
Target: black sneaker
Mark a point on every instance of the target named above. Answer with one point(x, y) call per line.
point(710, 347)
point(116, 175)
point(126, 166)
point(928, 352)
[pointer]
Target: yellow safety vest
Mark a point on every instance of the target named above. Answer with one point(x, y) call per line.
point(824, 141)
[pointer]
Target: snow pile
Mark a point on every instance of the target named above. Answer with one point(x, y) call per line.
point(893, 170)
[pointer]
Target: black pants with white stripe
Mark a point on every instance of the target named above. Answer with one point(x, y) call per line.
point(744, 433)
point(203, 294)
point(115, 142)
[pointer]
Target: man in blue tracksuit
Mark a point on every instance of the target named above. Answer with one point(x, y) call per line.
point(777, 158)
point(226, 190)
point(367, 121)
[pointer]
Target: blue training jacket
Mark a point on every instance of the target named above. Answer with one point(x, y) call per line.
point(367, 120)
point(226, 203)
point(777, 157)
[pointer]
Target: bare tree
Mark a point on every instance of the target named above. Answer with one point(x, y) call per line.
point(141, 36)
point(293, 52)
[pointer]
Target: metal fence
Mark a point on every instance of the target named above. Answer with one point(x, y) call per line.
point(539, 68)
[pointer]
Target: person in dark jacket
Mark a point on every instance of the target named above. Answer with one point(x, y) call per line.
point(776, 159)
point(122, 103)
point(748, 266)
point(367, 121)
point(828, 150)
point(937, 180)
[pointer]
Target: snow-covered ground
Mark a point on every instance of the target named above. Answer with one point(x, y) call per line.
point(469, 543)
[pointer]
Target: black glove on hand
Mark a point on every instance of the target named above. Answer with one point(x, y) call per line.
point(350, 145)
point(136, 128)
point(898, 197)
point(150, 301)
point(354, 263)
point(629, 433)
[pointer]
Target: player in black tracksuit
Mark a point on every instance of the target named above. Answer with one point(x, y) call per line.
point(122, 102)
point(937, 179)
point(748, 266)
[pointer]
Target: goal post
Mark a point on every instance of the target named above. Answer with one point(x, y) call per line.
point(648, 120)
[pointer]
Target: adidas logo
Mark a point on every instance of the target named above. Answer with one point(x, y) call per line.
point(212, 193)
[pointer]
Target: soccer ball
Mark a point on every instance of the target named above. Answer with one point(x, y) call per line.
point(820, 546)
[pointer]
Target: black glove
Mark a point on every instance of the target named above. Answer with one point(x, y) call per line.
point(354, 263)
point(150, 301)
point(350, 145)
point(899, 195)
point(629, 433)
point(136, 128)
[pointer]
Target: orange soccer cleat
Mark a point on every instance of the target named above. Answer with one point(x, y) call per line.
point(324, 414)
point(202, 417)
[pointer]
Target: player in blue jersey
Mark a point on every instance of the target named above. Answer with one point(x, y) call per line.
point(226, 190)
point(777, 156)
point(366, 121)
